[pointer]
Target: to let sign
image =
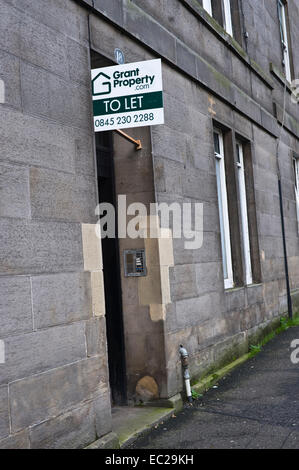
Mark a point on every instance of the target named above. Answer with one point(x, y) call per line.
point(127, 95)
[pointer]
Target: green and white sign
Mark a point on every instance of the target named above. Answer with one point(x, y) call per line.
point(127, 95)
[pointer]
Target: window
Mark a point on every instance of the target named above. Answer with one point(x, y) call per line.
point(227, 20)
point(223, 210)
point(221, 11)
point(284, 39)
point(207, 4)
point(237, 208)
point(296, 169)
point(244, 214)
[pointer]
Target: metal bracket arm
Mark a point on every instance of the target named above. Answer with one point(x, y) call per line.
point(137, 143)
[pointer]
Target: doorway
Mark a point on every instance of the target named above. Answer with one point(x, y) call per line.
point(111, 271)
point(111, 260)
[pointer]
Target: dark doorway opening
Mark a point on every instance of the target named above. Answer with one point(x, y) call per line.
point(111, 271)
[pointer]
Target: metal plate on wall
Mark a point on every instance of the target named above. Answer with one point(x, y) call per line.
point(135, 263)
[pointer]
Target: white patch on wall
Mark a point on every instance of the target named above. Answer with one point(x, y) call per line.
point(2, 352)
point(2, 92)
point(295, 91)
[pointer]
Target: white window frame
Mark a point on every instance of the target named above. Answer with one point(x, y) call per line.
point(244, 214)
point(223, 214)
point(296, 168)
point(284, 39)
point(207, 5)
point(228, 24)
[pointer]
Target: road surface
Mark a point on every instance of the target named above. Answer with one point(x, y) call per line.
point(256, 406)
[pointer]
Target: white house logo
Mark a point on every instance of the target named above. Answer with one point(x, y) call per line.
point(100, 85)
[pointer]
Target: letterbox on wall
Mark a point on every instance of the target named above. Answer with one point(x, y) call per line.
point(134, 263)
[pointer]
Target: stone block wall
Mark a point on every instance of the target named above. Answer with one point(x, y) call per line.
point(54, 389)
point(207, 76)
point(54, 386)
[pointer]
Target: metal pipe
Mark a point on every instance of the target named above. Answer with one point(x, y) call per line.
point(185, 364)
point(286, 268)
point(137, 143)
point(285, 253)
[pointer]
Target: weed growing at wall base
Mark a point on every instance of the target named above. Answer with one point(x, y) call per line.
point(285, 324)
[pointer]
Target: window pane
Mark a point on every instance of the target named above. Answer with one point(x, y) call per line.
point(227, 17)
point(216, 142)
point(244, 216)
point(221, 219)
point(238, 153)
point(280, 6)
point(207, 4)
point(284, 39)
point(223, 210)
point(297, 172)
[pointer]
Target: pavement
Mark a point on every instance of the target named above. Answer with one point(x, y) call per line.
point(129, 422)
point(256, 406)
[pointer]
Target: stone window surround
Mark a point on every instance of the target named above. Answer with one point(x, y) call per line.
point(230, 138)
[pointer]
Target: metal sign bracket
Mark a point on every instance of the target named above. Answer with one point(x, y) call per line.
point(137, 143)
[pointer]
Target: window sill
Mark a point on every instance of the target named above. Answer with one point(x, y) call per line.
point(250, 286)
point(233, 289)
point(239, 288)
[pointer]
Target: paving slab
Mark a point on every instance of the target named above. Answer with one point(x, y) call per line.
point(130, 422)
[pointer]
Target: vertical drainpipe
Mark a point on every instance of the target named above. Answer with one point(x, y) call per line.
point(285, 253)
point(184, 358)
point(286, 267)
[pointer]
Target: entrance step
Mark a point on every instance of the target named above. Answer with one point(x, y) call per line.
point(129, 422)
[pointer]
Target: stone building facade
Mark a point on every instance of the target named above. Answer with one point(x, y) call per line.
point(63, 296)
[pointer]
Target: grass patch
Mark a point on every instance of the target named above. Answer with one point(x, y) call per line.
point(195, 394)
point(254, 349)
point(285, 324)
point(200, 386)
